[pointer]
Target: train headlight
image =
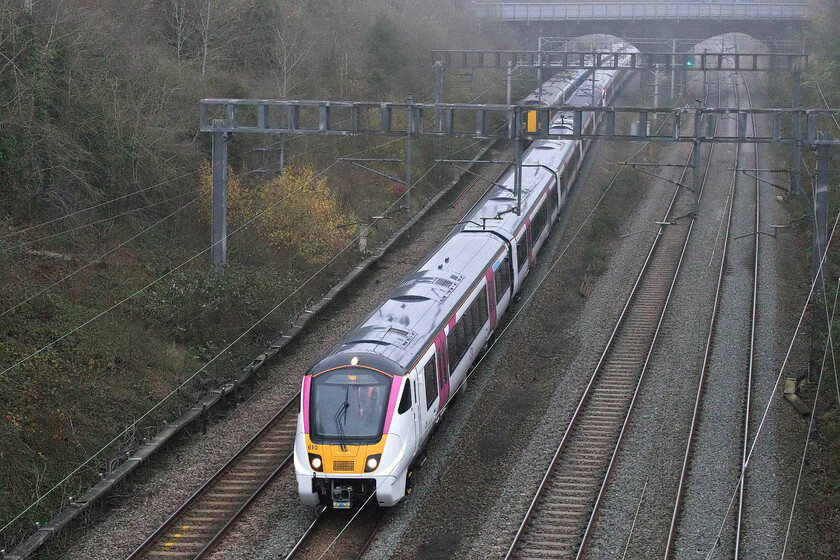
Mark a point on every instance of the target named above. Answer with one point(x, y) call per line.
point(316, 463)
point(372, 462)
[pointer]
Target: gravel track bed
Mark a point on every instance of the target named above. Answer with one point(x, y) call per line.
point(717, 447)
point(277, 516)
point(653, 451)
point(771, 476)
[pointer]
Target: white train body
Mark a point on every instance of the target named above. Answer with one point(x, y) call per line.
point(370, 404)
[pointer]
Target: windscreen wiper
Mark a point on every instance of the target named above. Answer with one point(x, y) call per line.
point(340, 418)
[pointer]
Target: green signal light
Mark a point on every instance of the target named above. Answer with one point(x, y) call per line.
point(688, 63)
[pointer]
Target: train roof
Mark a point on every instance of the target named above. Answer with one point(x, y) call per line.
point(404, 325)
point(553, 89)
point(496, 211)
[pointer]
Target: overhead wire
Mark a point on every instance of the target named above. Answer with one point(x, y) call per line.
point(98, 205)
point(827, 106)
point(761, 424)
point(94, 223)
point(829, 344)
point(162, 277)
point(98, 258)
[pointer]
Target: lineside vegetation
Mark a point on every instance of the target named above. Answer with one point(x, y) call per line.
point(104, 190)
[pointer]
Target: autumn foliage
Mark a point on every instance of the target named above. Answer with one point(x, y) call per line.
point(296, 214)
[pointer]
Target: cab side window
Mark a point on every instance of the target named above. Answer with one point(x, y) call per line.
point(405, 401)
point(430, 377)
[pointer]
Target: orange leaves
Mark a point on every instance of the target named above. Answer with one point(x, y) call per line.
point(299, 217)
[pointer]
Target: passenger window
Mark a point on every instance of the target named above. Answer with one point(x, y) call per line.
point(452, 346)
point(457, 342)
point(502, 276)
point(481, 302)
point(405, 401)
point(538, 223)
point(430, 377)
point(474, 324)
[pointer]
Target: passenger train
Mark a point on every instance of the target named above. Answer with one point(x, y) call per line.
point(370, 404)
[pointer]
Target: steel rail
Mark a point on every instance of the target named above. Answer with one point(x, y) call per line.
point(745, 450)
point(587, 390)
point(652, 345)
point(329, 527)
point(706, 357)
point(596, 373)
point(369, 540)
point(222, 524)
point(315, 522)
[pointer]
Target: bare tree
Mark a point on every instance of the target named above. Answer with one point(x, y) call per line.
point(179, 23)
point(287, 51)
point(205, 19)
point(218, 24)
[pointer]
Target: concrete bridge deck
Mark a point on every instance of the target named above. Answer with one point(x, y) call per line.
point(744, 10)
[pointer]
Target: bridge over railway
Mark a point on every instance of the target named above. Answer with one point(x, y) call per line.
point(695, 20)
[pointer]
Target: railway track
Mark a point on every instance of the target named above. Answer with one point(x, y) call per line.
point(198, 525)
point(339, 534)
point(753, 318)
point(560, 517)
point(562, 513)
point(710, 342)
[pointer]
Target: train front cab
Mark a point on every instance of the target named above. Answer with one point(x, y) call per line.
point(360, 435)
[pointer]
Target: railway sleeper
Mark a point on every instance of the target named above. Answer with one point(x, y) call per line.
point(606, 386)
point(581, 449)
point(192, 531)
point(546, 542)
point(170, 554)
point(543, 554)
point(587, 465)
point(554, 536)
point(581, 497)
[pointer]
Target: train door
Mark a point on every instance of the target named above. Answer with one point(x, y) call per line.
point(408, 413)
point(427, 395)
point(530, 242)
point(521, 259)
point(491, 295)
point(442, 355)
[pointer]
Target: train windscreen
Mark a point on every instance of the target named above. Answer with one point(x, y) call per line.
point(348, 405)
